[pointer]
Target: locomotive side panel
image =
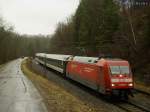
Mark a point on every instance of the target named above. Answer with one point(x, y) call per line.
point(86, 74)
point(104, 77)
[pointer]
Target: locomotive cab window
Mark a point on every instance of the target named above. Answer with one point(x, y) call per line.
point(115, 70)
point(124, 70)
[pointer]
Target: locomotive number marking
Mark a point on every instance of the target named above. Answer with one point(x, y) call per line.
point(88, 69)
point(73, 66)
point(121, 80)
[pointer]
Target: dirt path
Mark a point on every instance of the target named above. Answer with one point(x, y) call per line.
point(17, 93)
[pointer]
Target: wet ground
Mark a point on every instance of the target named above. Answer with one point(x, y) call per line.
point(17, 93)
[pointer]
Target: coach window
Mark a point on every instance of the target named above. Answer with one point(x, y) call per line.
point(89, 61)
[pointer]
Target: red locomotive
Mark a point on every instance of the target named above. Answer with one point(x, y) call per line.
point(104, 75)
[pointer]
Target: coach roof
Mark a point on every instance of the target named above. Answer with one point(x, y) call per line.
point(54, 56)
point(58, 56)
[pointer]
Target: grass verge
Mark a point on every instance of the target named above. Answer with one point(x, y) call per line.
point(142, 87)
point(55, 97)
point(2, 65)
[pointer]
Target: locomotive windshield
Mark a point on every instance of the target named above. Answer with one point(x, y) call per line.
point(119, 70)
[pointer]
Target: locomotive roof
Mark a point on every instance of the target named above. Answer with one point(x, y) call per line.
point(93, 59)
point(113, 59)
point(54, 56)
point(86, 59)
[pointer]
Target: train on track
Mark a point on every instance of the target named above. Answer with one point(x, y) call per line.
point(108, 76)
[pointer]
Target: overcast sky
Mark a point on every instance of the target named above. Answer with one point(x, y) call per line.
point(36, 16)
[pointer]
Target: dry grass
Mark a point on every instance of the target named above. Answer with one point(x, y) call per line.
point(56, 98)
point(1, 66)
point(142, 87)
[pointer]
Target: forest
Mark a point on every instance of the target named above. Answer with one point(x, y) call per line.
point(98, 27)
point(14, 45)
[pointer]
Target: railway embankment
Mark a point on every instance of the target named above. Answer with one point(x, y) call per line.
point(2, 66)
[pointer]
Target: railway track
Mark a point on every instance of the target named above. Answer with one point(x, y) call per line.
point(136, 104)
point(143, 92)
point(131, 107)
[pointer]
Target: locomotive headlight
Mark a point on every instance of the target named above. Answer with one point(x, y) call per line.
point(112, 85)
point(130, 84)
